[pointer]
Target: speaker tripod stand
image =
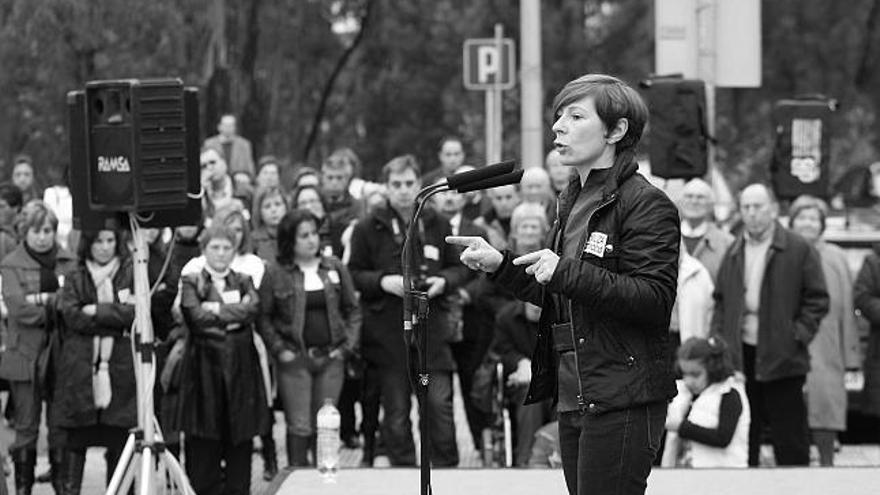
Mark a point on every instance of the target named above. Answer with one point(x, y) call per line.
point(144, 461)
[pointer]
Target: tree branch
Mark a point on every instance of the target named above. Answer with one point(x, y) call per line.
point(863, 74)
point(331, 81)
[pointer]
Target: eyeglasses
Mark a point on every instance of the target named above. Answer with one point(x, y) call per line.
point(209, 162)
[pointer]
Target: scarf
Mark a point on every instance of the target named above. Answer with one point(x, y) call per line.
point(47, 260)
point(102, 347)
point(218, 279)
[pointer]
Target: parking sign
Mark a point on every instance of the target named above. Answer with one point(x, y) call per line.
point(489, 63)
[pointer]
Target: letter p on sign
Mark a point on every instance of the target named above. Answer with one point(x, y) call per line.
point(489, 64)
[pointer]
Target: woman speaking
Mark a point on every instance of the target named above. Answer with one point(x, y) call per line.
point(606, 288)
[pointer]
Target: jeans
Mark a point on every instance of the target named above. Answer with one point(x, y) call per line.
point(218, 467)
point(610, 453)
point(391, 388)
point(303, 385)
point(780, 405)
point(28, 408)
point(440, 425)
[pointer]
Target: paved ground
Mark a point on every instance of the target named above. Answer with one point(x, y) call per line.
point(850, 456)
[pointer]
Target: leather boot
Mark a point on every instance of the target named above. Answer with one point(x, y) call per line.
point(270, 457)
point(24, 460)
point(73, 465)
point(56, 461)
point(369, 450)
point(297, 451)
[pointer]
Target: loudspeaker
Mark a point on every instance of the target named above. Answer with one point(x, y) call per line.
point(678, 128)
point(801, 154)
point(134, 148)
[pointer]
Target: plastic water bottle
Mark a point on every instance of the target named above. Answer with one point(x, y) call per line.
point(328, 441)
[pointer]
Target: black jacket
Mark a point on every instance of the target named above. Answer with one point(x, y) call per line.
point(867, 300)
point(375, 252)
point(793, 302)
point(619, 303)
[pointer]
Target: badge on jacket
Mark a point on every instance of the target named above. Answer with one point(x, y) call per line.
point(432, 252)
point(231, 297)
point(596, 244)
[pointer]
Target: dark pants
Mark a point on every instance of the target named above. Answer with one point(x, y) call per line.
point(303, 385)
point(529, 419)
point(27, 410)
point(780, 405)
point(350, 394)
point(440, 425)
point(208, 475)
point(389, 387)
point(610, 453)
point(468, 355)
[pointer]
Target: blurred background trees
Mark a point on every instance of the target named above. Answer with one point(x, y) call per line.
point(384, 77)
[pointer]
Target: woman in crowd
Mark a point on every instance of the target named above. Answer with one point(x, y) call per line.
point(224, 398)
point(268, 172)
point(834, 349)
point(310, 320)
point(309, 198)
point(244, 262)
point(31, 273)
point(528, 227)
point(96, 398)
point(269, 207)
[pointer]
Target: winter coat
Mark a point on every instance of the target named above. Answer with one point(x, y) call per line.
point(223, 397)
point(711, 248)
point(29, 325)
point(692, 314)
point(283, 307)
point(835, 347)
point(793, 302)
point(74, 401)
point(619, 300)
point(376, 251)
point(867, 300)
point(265, 244)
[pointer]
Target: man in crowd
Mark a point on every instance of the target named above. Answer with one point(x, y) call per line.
point(770, 297)
point(702, 238)
point(376, 251)
point(217, 184)
point(234, 149)
point(515, 337)
point(496, 221)
point(23, 177)
point(451, 156)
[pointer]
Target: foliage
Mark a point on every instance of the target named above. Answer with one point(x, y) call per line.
point(290, 67)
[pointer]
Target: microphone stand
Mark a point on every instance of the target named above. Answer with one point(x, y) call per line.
point(415, 322)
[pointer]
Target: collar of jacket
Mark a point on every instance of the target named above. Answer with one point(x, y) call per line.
point(620, 173)
point(19, 258)
point(384, 214)
point(778, 243)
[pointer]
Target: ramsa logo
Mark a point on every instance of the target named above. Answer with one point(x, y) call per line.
point(113, 164)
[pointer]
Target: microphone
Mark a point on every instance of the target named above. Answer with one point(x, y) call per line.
point(496, 181)
point(459, 180)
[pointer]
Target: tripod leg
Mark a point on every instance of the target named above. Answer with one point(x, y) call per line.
point(121, 466)
point(177, 475)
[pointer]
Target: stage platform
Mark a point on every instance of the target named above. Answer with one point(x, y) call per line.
point(764, 481)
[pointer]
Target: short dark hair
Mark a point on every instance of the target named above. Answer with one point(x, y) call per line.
point(294, 196)
point(216, 231)
point(11, 194)
point(614, 100)
point(287, 232)
point(712, 353)
point(22, 158)
point(450, 137)
point(400, 164)
point(84, 249)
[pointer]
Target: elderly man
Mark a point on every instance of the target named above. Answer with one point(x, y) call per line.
point(770, 297)
point(702, 238)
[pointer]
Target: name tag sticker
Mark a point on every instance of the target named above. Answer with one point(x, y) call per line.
point(432, 253)
point(596, 244)
point(231, 297)
point(333, 275)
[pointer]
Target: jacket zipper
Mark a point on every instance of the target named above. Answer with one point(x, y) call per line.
point(582, 401)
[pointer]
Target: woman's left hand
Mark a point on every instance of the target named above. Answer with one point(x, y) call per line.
point(542, 264)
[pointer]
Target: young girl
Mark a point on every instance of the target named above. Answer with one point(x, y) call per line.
point(269, 207)
point(708, 421)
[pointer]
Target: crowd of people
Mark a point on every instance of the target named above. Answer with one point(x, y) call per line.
point(289, 294)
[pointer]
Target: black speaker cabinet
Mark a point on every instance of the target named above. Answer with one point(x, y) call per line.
point(677, 127)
